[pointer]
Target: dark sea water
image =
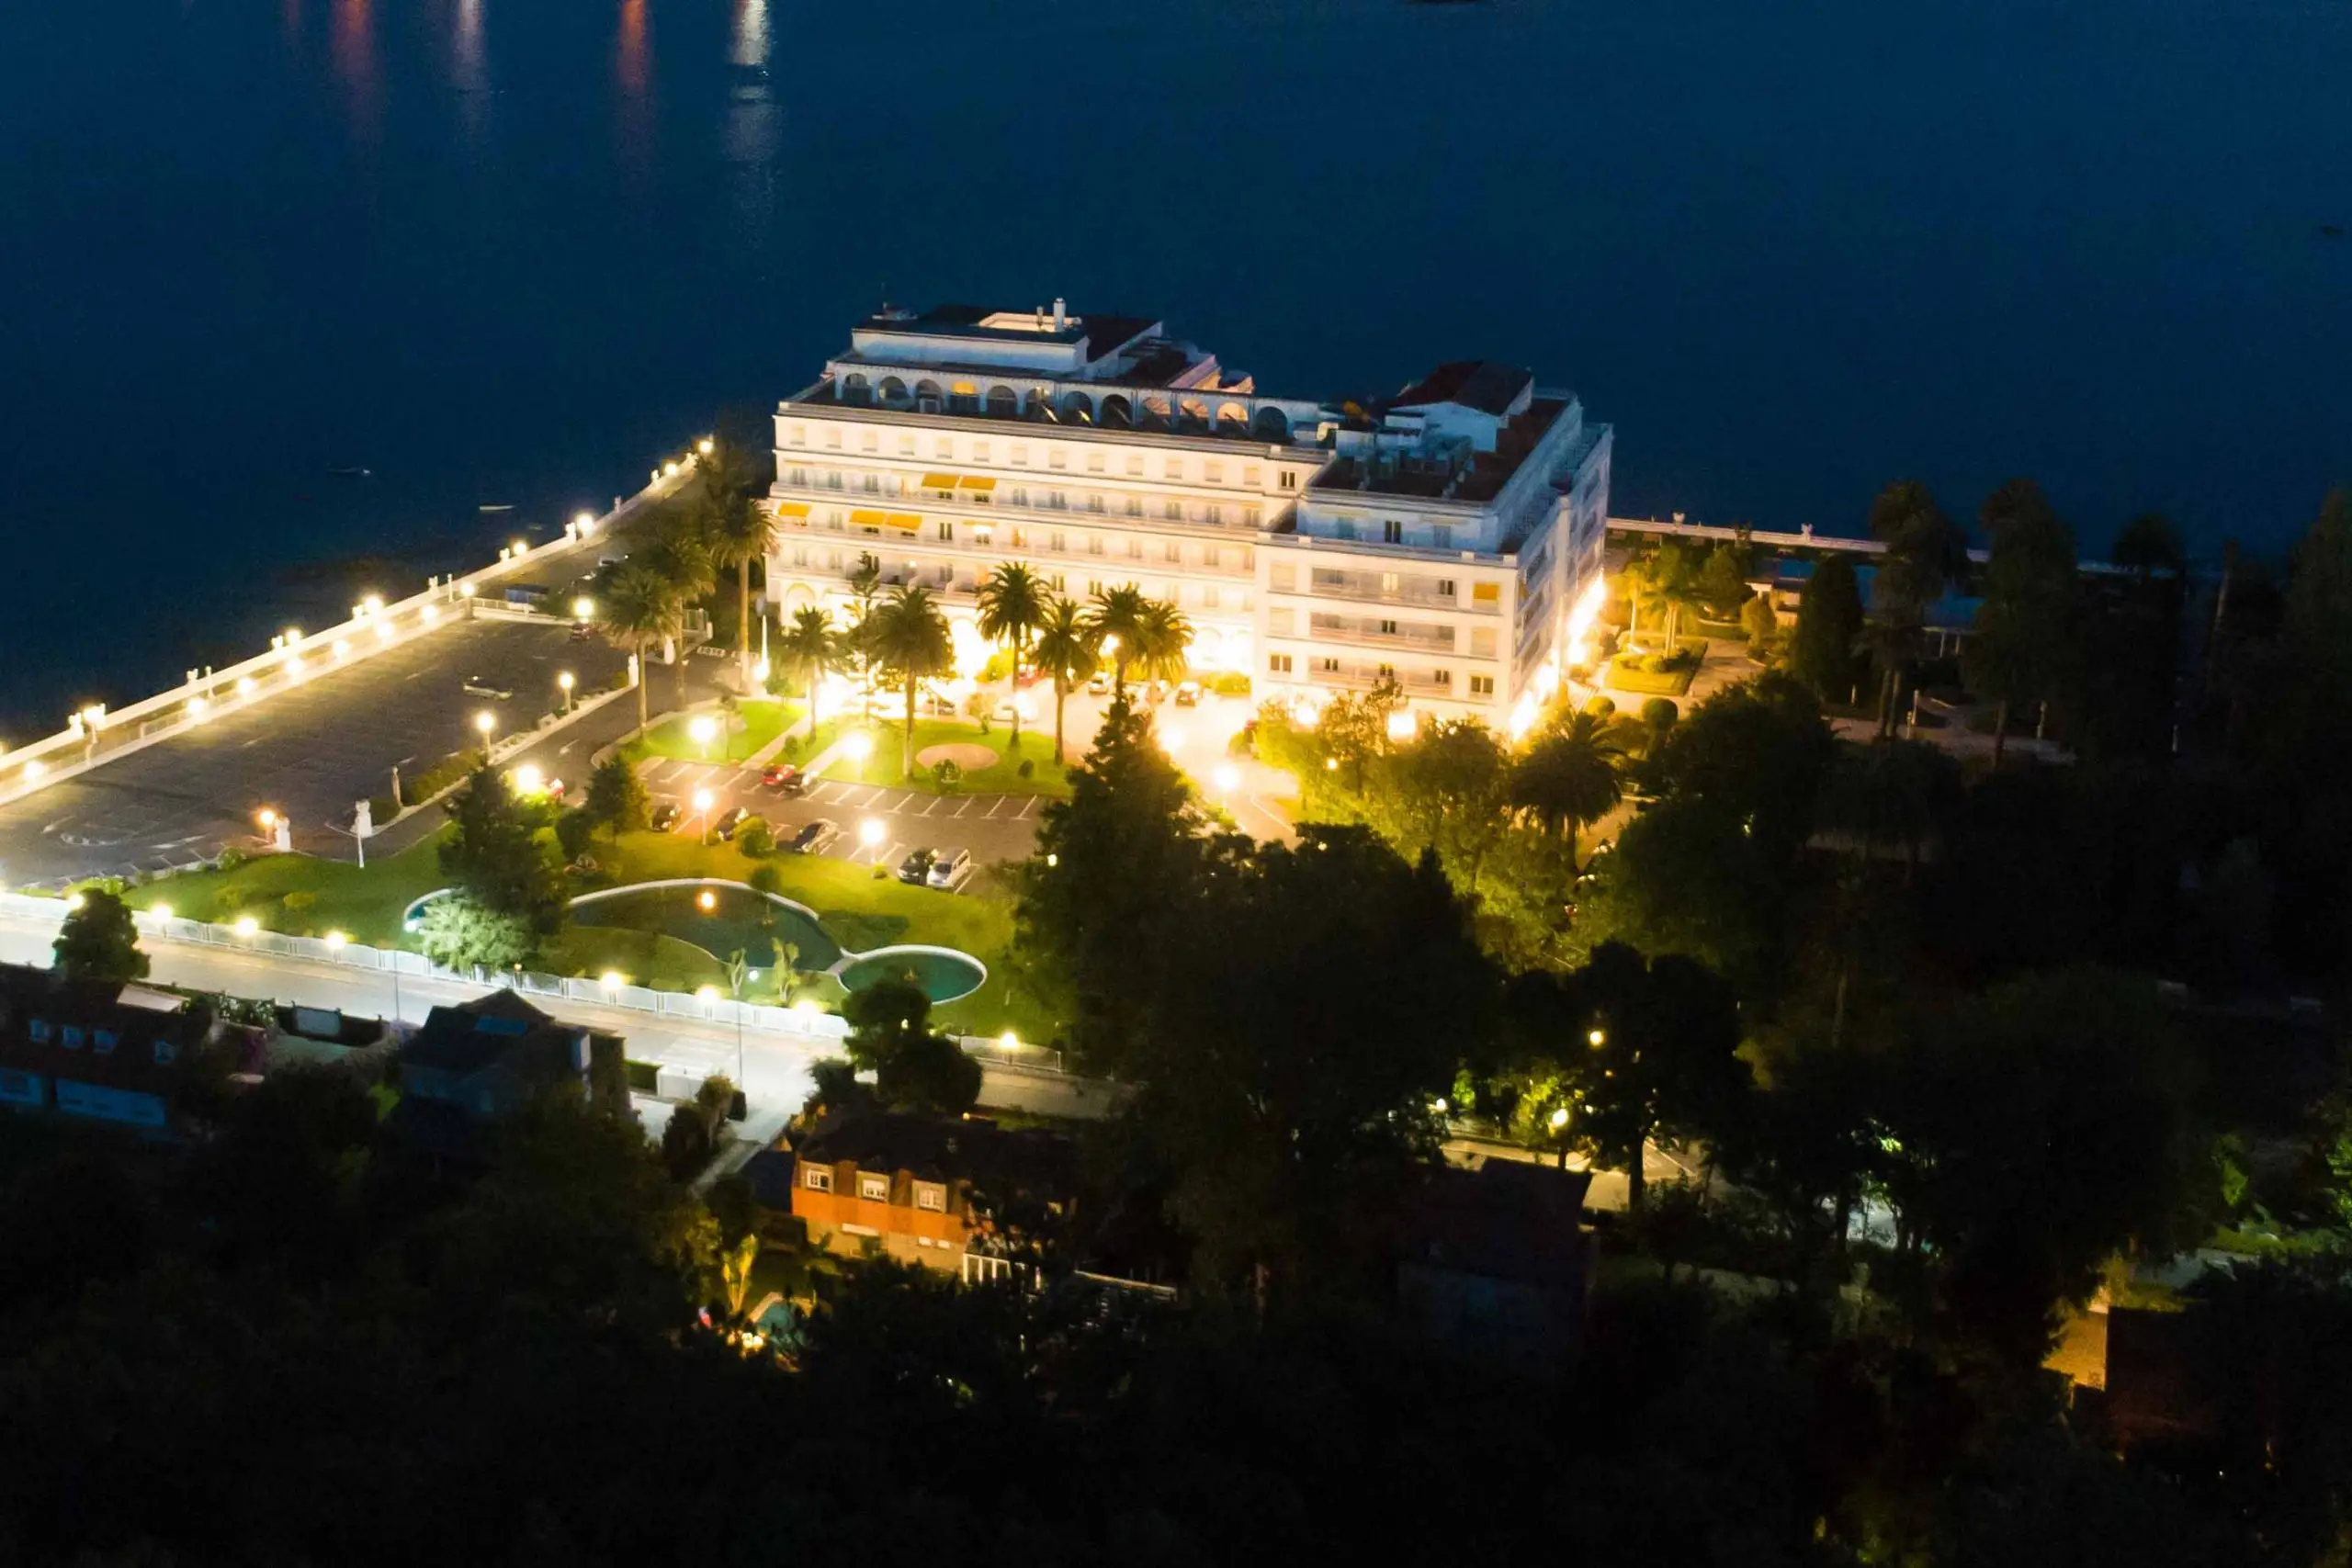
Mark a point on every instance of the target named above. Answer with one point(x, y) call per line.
point(512, 251)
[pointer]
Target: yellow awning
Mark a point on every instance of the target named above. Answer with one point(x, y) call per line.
point(939, 481)
point(906, 522)
point(790, 508)
point(867, 519)
point(973, 481)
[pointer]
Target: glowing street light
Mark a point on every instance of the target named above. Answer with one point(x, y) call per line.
point(247, 925)
point(870, 831)
point(485, 721)
point(702, 727)
point(706, 901)
point(1227, 778)
point(1169, 740)
point(529, 780)
point(373, 605)
point(335, 941)
point(160, 911)
point(564, 682)
point(583, 608)
point(1597, 1039)
point(582, 521)
point(73, 902)
point(860, 746)
point(611, 980)
point(266, 820)
point(520, 549)
point(1401, 725)
point(1559, 1118)
point(1009, 1039)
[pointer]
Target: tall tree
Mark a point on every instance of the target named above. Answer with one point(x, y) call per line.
point(1571, 775)
point(1925, 554)
point(636, 608)
point(1067, 644)
point(2022, 645)
point(909, 641)
point(1163, 641)
point(2149, 547)
point(915, 1067)
point(1013, 607)
point(1118, 613)
point(812, 649)
point(616, 796)
point(1452, 783)
point(865, 591)
point(681, 558)
point(1829, 625)
point(737, 530)
point(1720, 584)
point(1661, 1061)
point(493, 854)
point(98, 940)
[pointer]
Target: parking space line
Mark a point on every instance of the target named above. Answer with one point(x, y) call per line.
point(995, 804)
point(963, 808)
point(1026, 806)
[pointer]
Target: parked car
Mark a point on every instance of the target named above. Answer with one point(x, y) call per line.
point(665, 816)
point(727, 821)
point(916, 866)
point(950, 869)
point(812, 838)
point(1188, 693)
point(480, 686)
point(581, 631)
point(785, 777)
point(1099, 683)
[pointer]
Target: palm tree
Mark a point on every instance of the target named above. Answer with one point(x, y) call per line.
point(1570, 776)
point(636, 608)
point(810, 648)
point(908, 638)
point(1163, 637)
point(736, 531)
point(679, 558)
point(1013, 603)
point(1118, 615)
point(1066, 642)
point(864, 583)
point(1924, 554)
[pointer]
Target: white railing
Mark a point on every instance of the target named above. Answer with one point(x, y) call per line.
point(100, 736)
point(804, 1023)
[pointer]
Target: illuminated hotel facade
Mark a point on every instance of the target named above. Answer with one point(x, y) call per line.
point(1450, 535)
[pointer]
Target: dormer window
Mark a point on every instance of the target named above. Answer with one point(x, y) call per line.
point(932, 1196)
point(817, 1178)
point(874, 1186)
point(39, 1029)
point(72, 1037)
point(166, 1053)
point(106, 1041)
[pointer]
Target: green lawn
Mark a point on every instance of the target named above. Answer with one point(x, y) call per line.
point(761, 721)
point(1626, 676)
point(1047, 777)
point(328, 896)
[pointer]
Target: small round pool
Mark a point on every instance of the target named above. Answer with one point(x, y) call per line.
point(739, 918)
point(943, 974)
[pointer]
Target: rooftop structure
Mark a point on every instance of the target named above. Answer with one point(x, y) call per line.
point(111, 1052)
point(480, 1061)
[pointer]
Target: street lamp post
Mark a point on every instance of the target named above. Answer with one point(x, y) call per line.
point(486, 722)
point(564, 683)
point(701, 807)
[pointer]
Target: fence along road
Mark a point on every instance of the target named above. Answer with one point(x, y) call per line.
point(775, 1045)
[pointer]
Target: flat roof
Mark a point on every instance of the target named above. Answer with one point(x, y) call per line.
point(1103, 334)
point(1480, 480)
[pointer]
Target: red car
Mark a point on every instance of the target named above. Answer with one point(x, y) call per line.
point(785, 777)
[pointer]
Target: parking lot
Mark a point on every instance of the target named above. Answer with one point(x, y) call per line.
point(994, 826)
point(308, 752)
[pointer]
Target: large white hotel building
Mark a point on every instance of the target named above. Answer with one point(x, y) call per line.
point(1449, 536)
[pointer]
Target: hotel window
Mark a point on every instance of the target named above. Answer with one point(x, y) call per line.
point(799, 476)
point(1134, 464)
point(1290, 479)
point(1021, 538)
point(1174, 468)
point(1253, 476)
point(1387, 582)
point(833, 440)
point(982, 533)
point(833, 560)
point(1093, 586)
point(1093, 544)
point(1213, 473)
point(1251, 516)
point(875, 1188)
point(166, 1052)
point(1060, 586)
point(1175, 553)
point(945, 448)
point(1019, 497)
point(930, 1197)
point(1482, 685)
point(1094, 462)
point(1391, 532)
point(947, 532)
point(1482, 642)
point(1216, 515)
point(1445, 588)
point(1059, 500)
point(1330, 666)
point(1055, 542)
point(800, 555)
point(1211, 557)
point(1388, 628)
point(1442, 677)
point(817, 1181)
point(1057, 457)
point(1485, 593)
point(834, 518)
point(1208, 597)
point(1281, 577)
point(797, 434)
point(1019, 453)
point(38, 1030)
point(979, 451)
point(72, 1037)
point(1442, 536)
point(1134, 549)
point(870, 441)
point(1095, 501)
point(1280, 622)
point(907, 443)
point(1173, 512)
point(833, 479)
point(1385, 671)
point(1345, 528)
point(1278, 663)
point(873, 485)
point(1135, 506)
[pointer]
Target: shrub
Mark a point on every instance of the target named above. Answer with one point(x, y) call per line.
point(294, 903)
point(230, 858)
point(946, 773)
point(1659, 712)
point(755, 838)
point(1652, 664)
point(1230, 683)
point(573, 830)
point(1601, 706)
point(1028, 768)
point(766, 879)
point(644, 1078)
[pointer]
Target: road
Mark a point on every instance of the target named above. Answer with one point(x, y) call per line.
point(773, 1069)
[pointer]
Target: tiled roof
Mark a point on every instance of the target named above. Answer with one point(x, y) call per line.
point(1480, 384)
point(1509, 1219)
point(27, 994)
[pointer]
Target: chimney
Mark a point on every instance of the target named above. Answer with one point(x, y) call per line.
point(1061, 313)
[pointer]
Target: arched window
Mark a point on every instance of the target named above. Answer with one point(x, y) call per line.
point(1272, 424)
point(1232, 419)
point(1003, 402)
point(928, 397)
point(894, 392)
point(1117, 413)
point(856, 390)
point(963, 397)
point(1077, 408)
point(1192, 414)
